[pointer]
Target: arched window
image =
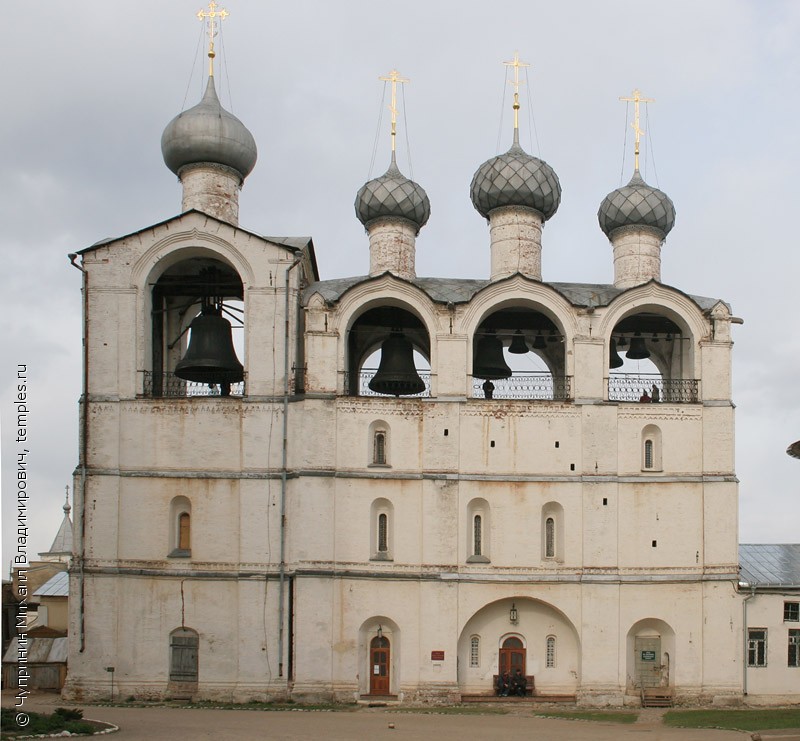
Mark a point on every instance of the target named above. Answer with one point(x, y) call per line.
point(180, 528)
point(549, 538)
point(378, 453)
point(552, 532)
point(183, 655)
point(478, 531)
point(381, 530)
point(379, 448)
point(475, 651)
point(383, 536)
point(550, 653)
point(651, 448)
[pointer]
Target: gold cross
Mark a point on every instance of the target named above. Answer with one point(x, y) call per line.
point(394, 77)
point(516, 64)
point(212, 16)
point(636, 98)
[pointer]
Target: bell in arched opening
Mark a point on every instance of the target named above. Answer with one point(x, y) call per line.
point(518, 345)
point(489, 362)
point(614, 360)
point(210, 357)
point(638, 350)
point(397, 375)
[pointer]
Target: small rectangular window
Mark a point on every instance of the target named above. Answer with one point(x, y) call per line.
point(757, 647)
point(549, 538)
point(383, 535)
point(648, 453)
point(477, 536)
point(379, 450)
point(794, 647)
point(550, 656)
point(791, 612)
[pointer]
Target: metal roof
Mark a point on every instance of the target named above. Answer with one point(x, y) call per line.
point(40, 651)
point(770, 565)
point(56, 586)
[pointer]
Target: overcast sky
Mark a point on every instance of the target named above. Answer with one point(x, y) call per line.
point(92, 85)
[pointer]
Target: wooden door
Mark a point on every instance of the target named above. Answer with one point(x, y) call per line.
point(512, 656)
point(379, 666)
point(648, 660)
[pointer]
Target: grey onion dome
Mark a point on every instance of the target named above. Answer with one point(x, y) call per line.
point(393, 194)
point(207, 133)
point(516, 178)
point(637, 204)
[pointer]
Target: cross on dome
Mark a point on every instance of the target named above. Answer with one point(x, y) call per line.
point(212, 14)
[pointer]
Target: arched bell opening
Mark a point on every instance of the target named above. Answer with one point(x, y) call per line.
point(197, 336)
point(519, 353)
point(389, 354)
point(650, 360)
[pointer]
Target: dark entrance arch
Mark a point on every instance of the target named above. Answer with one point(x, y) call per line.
point(512, 656)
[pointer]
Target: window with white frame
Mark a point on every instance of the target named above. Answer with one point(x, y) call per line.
point(791, 612)
point(794, 647)
point(550, 652)
point(478, 531)
point(552, 532)
point(475, 651)
point(381, 530)
point(757, 647)
point(651, 448)
point(379, 439)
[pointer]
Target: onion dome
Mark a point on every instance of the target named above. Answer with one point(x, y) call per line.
point(516, 178)
point(207, 133)
point(637, 204)
point(393, 194)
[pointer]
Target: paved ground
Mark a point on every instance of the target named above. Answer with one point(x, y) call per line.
point(151, 724)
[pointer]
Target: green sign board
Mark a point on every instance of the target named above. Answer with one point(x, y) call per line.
point(648, 655)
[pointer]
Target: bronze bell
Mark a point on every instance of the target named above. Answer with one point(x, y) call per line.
point(518, 345)
point(614, 360)
point(397, 375)
point(210, 357)
point(638, 350)
point(489, 362)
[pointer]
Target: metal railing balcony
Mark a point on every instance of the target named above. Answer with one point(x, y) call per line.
point(669, 391)
point(530, 386)
point(168, 385)
point(357, 384)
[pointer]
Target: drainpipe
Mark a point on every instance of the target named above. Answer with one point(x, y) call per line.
point(83, 446)
point(744, 639)
point(284, 458)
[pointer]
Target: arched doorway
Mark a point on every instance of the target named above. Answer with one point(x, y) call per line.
point(379, 666)
point(512, 656)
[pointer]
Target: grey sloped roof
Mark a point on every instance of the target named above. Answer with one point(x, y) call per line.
point(461, 290)
point(770, 565)
point(40, 651)
point(56, 586)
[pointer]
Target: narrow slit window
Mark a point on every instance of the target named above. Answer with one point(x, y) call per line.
point(383, 529)
point(550, 538)
point(379, 448)
point(184, 531)
point(648, 453)
point(477, 536)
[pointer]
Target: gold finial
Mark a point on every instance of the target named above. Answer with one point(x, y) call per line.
point(516, 64)
point(636, 98)
point(394, 78)
point(212, 14)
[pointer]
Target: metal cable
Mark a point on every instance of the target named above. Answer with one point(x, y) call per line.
point(377, 133)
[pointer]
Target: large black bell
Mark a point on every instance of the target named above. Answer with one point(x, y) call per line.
point(489, 361)
point(397, 374)
point(614, 360)
point(210, 357)
point(518, 345)
point(638, 350)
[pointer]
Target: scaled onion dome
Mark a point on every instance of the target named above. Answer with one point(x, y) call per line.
point(393, 194)
point(207, 133)
point(516, 178)
point(637, 204)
